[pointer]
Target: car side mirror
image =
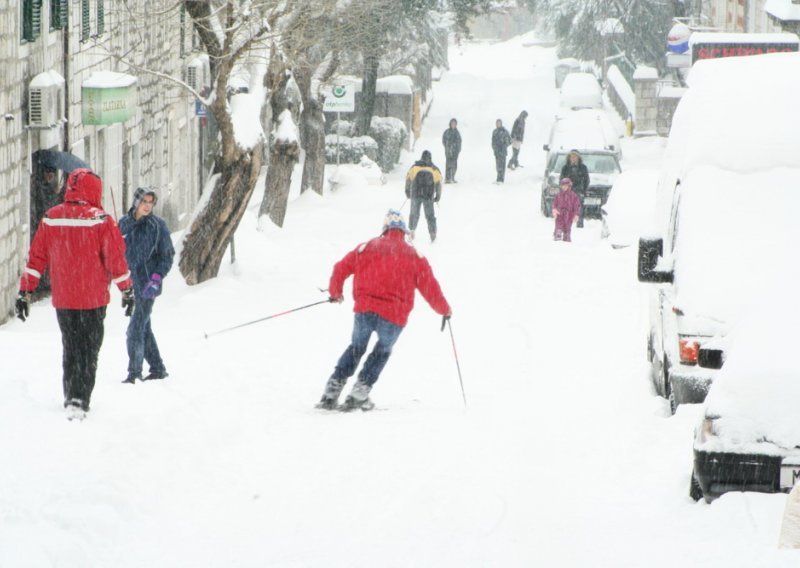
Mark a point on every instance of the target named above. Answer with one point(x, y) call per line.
point(650, 250)
point(546, 147)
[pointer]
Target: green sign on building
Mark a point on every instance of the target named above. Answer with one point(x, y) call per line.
point(108, 97)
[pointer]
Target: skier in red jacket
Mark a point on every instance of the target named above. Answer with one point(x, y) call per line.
point(387, 271)
point(81, 247)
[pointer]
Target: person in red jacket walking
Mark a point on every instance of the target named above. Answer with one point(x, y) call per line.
point(81, 247)
point(387, 271)
point(566, 210)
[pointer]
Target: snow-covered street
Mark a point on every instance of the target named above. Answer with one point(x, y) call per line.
point(563, 456)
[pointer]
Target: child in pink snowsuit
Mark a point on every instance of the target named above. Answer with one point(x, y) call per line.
point(566, 208)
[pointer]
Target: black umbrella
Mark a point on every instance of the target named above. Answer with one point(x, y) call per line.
point(57, 160)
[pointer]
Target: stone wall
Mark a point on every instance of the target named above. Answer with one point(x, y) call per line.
point(645, 81)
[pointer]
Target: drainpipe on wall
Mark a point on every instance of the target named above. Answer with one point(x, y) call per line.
point(67, 84)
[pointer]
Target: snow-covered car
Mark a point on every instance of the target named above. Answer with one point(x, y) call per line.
point(725, 215)
point(628, 213)
point(749, 438)
point(584, 128)
point(563, 68)
point(603, 167)
point(581, 90)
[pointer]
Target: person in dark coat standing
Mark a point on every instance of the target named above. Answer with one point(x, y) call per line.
point(576, 171)
point(387, 272)
point(566, 209)
point(451, 139)
point(81, 247)
point(424, 188)
point(517, 136)
point(501, 140)
point(149, 253)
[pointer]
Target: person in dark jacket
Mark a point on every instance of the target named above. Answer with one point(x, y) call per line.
point(424, 188)
point(517, 136)
point(149, 252)
point(576, 171)
point(566, 209)
point(387, 272)
point(451, 139)
point(501, 139)
point(82, 248)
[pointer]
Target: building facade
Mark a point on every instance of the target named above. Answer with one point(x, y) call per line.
point(92, 78)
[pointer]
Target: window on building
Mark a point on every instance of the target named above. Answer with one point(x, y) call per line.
point(31, 19)
point(86, 32)
point(101, 17)
point(58, 14)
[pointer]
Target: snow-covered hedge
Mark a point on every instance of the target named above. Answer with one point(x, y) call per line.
point(345, 127)
point(390, 134)
point(351, 149)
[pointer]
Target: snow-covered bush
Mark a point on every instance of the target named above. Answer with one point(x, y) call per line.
point(351, 149)
point(345, 127)
point(390, 133)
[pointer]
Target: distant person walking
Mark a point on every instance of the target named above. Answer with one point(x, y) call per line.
point(566, 209)
point(424, 188)
point(149, 253)
point(517, 136)
point(501, 140)
point(81, 247)
point(576, 171)
point(451, 139)
point(387, 272)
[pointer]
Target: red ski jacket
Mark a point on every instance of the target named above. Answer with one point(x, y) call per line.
point(387, 272)
point(81, 246)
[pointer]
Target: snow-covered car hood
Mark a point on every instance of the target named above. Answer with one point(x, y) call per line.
point(601, 179)
point(754, 398)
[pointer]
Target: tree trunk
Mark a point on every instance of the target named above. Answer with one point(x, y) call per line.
point(284, 153)
point(312, 128)
point(368, 87)
point(213, 227)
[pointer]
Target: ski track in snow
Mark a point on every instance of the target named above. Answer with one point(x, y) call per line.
point(563, 456)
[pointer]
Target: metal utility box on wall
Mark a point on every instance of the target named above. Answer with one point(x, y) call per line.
point(108, 97)
point(198, 74)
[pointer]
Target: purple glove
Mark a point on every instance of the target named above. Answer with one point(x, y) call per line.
point(152, 288)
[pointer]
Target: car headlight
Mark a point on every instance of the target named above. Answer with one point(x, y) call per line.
point(707, 429)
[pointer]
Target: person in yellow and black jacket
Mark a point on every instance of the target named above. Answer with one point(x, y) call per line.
point(424, 188)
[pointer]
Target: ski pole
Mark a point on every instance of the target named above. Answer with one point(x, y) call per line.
point(266, 318)
point(446, 319)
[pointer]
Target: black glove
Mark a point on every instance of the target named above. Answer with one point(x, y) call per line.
point(445, 319)
point(127, 301)
point(23, 305)
point(336, 300)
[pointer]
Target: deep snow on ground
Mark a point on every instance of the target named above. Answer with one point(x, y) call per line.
point(563, 457)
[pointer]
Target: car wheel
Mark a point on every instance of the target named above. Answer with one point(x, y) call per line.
point(695, 491)
point(546, 209)
point(673, 404)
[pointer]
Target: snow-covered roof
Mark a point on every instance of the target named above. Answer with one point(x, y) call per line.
point(785, 10)
point(395, 85)
point(724, 37)
point(109, 80)
point(726, 255)
point(645, 72)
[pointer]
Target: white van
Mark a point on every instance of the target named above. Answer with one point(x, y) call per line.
point(726, 214)
point(581, 90)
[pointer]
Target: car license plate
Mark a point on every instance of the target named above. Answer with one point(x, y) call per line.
point(790, 474)
point(592, 201)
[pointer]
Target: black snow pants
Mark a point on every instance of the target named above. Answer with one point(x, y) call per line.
point(450, 167)
point(81, 337)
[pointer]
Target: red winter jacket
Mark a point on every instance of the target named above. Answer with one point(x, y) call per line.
point(81, 246)
point(387, 272)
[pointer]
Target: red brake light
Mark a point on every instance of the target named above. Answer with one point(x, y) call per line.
point(689, 350)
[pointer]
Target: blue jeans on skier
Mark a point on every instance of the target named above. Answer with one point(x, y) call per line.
point(364, 325)
point(141, 342)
